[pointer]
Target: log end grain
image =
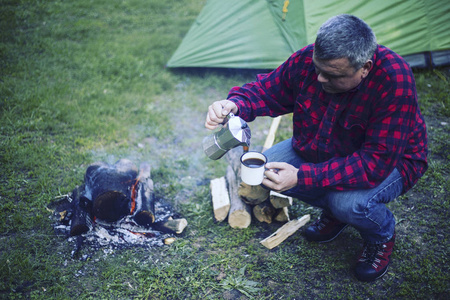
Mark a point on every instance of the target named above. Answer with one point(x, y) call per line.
point(239, 219)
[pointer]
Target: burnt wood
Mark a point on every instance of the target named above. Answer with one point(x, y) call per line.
point(118, 190)
point(109, 188)
point(145, 197)
point(81, 219)
point(111, 192)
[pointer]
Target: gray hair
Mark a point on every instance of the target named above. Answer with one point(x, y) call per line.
point(345, 36)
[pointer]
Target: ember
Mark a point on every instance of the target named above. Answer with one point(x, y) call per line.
point(116, 206)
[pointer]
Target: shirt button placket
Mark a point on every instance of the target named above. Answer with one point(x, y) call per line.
point(329, 119)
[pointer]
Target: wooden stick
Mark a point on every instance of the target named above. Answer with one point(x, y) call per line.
point(271, 135)
point(284, 232)
point(220, 198)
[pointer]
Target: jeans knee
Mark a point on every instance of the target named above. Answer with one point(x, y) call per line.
point(350, 212)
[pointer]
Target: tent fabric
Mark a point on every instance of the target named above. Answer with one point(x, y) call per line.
point(261, 34)
point(237, 34)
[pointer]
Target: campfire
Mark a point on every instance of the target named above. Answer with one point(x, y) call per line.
point(116, 206)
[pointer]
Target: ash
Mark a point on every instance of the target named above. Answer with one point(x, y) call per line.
point(108, 236)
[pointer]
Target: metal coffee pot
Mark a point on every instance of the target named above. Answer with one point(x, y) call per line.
point(233, 133)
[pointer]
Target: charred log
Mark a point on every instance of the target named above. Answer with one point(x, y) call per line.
point(109, 188)
point(118, 190)
point(113, 206)
point(145, 199)
point(81, 217)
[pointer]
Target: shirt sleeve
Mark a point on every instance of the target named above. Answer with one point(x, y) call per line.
point(270, 94)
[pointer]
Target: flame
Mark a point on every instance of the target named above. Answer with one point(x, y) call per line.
point(133, 195)
point(144, 234)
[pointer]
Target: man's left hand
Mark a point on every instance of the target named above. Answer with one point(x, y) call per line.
point(280, 176)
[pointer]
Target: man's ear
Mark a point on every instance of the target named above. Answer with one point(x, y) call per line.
point(366, 68)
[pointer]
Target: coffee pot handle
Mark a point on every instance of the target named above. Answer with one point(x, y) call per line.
point(228, 117)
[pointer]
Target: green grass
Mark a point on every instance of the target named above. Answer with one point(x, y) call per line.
point(85, 81)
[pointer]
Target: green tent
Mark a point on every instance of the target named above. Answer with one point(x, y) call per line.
point(261, 34)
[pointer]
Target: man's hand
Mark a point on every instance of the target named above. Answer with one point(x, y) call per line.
point(218, 111)
point(280, 176)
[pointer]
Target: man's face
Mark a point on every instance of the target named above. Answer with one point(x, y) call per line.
point(337, 75)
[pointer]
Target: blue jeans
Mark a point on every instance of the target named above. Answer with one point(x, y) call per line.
point(364, 209)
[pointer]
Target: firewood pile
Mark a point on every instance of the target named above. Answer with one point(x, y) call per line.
point(238, 202)
point(116, 204)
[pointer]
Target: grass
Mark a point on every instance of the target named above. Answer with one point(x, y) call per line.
point(84, 81)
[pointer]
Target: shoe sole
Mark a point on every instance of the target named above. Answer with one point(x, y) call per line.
point(337, 234)
point(373, 279)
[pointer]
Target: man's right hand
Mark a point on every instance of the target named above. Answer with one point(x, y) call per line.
point(218, 111)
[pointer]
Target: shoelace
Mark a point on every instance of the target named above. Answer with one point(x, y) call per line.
point(372, 254)
point(322, 222)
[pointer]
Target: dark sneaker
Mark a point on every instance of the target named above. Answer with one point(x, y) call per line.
point(374, 260)
point(325, 229)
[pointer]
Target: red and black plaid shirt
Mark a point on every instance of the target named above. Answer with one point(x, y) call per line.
point(351, 140)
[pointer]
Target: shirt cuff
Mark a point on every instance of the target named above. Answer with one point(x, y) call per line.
point(306, 176)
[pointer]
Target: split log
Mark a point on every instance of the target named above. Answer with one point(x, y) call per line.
point(81, 218)
point(239, 215)
point(284, 232)
point(282, 215)
point(220, 198)
point(253, 194)
point(171, 225)
point(279, 200)
point(144, 197)
point(264, 212)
